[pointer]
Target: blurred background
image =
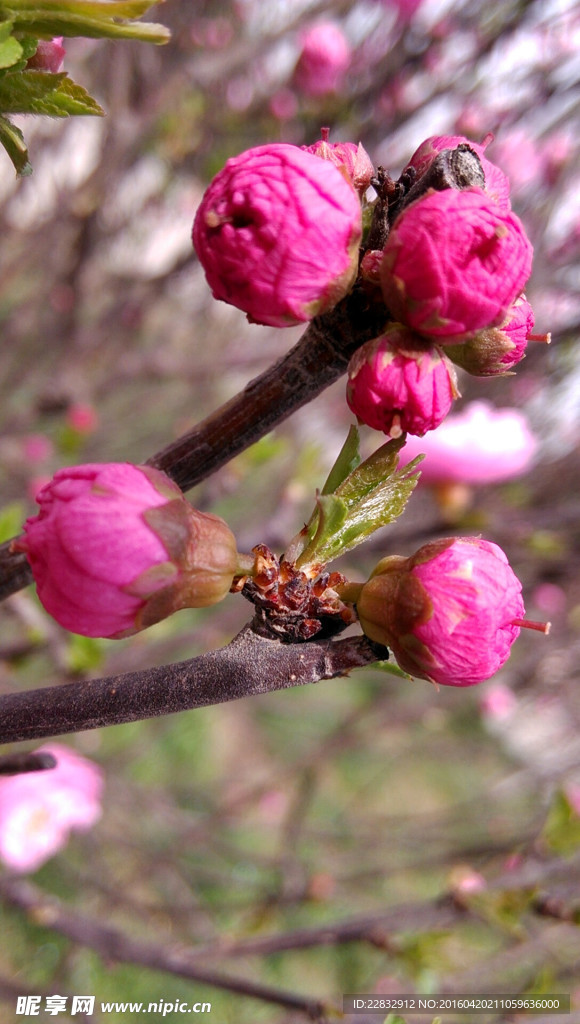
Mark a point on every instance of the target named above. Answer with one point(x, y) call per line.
point(369, 834)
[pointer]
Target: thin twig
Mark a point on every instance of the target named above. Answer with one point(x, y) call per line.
point(114, 945)
point(375, 929)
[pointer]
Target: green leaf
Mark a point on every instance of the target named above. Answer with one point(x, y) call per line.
point(38, 92)
point(372, 495)
point(13, 141)
point(10, 52)
point(10, 48)
point(348, 459)
point(377, 468)
point(11, 519)
point(94, 18)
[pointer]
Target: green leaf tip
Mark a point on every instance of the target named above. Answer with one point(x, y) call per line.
point(13, 141)
point(371, 495)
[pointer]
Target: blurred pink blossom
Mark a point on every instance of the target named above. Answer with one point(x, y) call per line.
point(37, 448)
point(465, 880)
point(38, 810)
point(480, 445)
point(520, 158)
point(498, 702)
point(324, 59)
point(283, 105)
point(213, 33)
point(556, 150)
point(550, 598)
point(82, 417)
point(406, 8)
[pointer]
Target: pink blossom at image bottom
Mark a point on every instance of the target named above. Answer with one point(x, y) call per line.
point(450, 613)
point(479, 445)
point(38, 810)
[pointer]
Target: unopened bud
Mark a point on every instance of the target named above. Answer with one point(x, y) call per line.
point(399, 383)
point(450, 613)
point(116, 548)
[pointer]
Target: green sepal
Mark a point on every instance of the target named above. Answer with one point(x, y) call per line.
point(10, 48)
point(391, 668)
point(13, 141)
point(39, 92)
point(348, 459)
point(372, 495)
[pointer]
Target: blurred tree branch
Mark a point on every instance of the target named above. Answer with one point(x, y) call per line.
point(114, 945)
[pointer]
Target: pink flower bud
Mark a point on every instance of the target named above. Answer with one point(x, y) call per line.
point(277, 233)
point(496, 350)
point(83, 418)
point(116, 547)
point(38, 810)
point(454, 263)
point(324, 59)
point(352, 161)
point(497, 184)
point(479, 445)
point(397, 384)
point(49, 56)
point(450, 613)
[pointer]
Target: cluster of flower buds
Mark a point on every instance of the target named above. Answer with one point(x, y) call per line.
point(450, 613)
point(116, 548)
point(278, 235)
point(452, 271)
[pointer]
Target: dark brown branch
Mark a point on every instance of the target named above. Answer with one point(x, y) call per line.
point(112, 944)
point(249, 665)
point(316, 361)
